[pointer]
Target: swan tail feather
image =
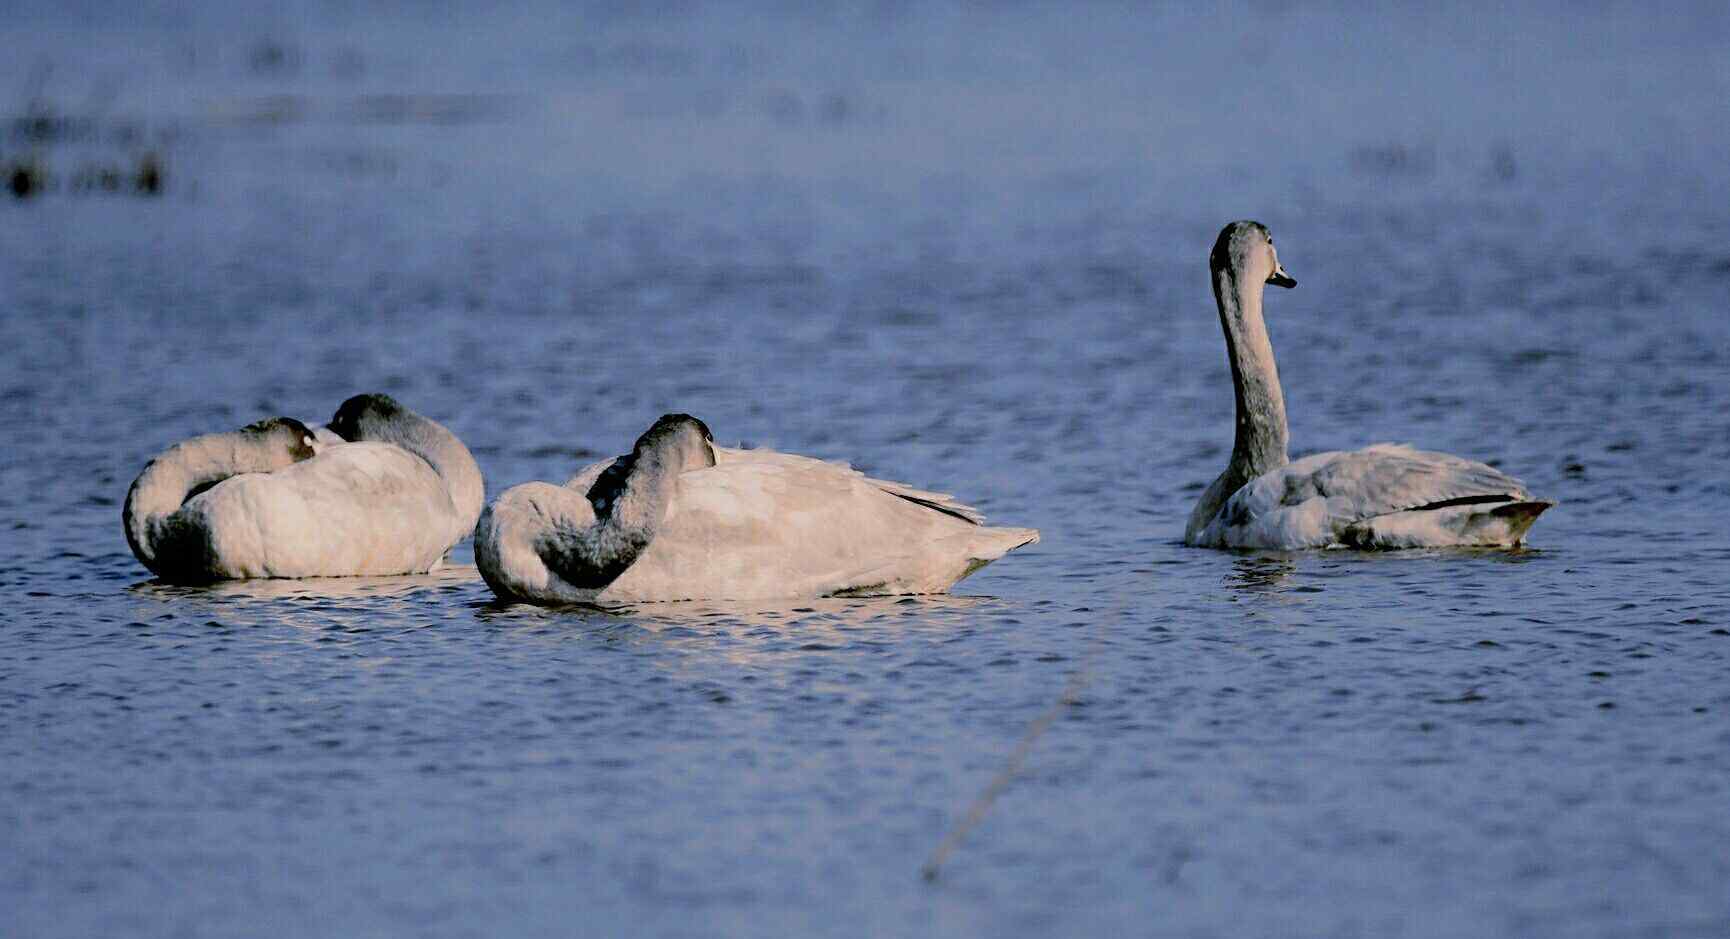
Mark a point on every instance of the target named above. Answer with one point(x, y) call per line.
point(1519, 516)
point(1005, 540)
point(1458, 523)
point(986, 545)
point(946, 563)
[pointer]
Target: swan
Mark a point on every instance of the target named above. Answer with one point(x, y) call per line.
point(680, 518)
point(381, 490)
point(1383, 496)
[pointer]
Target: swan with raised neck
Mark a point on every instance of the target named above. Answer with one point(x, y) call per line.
point(1243, 262)
point(1383, 496)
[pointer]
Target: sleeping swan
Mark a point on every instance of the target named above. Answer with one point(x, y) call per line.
point(680, 518)
point(1384, 496)
point(383, 490)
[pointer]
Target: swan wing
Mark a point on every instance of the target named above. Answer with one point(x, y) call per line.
point(938, 501)
point(762, 524)
point(1326, 498)
point(354, 509)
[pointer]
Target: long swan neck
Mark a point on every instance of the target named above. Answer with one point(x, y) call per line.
point(589, 538)
point(1260, 443)
point(639, 488)
point(434, 443)
point(181, 472)
point(531, 534)
point(537, 536)
point(642, 502)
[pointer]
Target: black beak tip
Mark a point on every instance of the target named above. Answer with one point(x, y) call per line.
point(1282, 279)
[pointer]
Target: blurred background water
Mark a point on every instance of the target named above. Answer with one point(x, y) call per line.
point(961, 245)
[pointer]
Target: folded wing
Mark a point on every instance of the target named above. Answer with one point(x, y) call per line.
point(356, 508)
point(1342, 497)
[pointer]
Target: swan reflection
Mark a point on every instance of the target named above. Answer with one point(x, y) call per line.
point(317, 588)
point(1261, 574)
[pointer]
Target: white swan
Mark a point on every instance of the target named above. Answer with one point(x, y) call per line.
point(383, 490)
point(682, 519)
point(1383, 496)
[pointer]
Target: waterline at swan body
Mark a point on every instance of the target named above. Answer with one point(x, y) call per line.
point(381, 491)
point(1383, 496)
point(680, 518)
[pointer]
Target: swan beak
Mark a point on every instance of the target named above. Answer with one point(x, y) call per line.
point(1279, 278)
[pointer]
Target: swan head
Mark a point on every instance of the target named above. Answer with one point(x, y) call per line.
point(1245, 250)
point(679, 441)
point(284, 435)
point(364, 417)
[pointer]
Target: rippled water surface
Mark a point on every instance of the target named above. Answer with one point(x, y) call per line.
point(960, 246)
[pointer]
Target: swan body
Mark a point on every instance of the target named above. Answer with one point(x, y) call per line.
point(381, 491)
point(709, 522)
point(1383, 496)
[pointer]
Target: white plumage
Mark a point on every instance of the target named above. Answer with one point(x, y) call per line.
point(732, 525)
point(277, 499)
point(1383, 496)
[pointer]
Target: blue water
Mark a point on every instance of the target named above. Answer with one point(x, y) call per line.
point(962, 246)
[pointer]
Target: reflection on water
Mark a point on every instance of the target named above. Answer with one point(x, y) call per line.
point(1261, 574)
point(316, 588)
point(784, 613)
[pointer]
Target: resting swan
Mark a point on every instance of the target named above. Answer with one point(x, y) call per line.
point(383, 490)
point(680, 518)
point(1383, 496)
